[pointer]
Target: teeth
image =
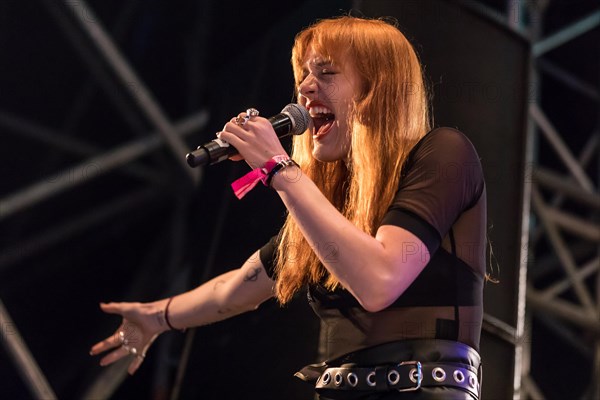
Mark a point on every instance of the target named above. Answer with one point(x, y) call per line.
point(319, 110)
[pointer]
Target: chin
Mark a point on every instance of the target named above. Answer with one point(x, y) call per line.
point(326, 156)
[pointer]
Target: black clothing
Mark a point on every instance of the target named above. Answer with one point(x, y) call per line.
point(441, 199)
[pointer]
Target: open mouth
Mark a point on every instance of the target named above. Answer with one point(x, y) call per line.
point(322, 119)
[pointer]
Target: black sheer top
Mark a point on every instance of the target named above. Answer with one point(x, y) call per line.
point(441, 199)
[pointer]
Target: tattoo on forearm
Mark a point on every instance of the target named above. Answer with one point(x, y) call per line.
point(252, 276)
point(217, 283)
point(224, 311)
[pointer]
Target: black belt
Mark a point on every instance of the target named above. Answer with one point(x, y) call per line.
point(405, 376)
point(403, 366)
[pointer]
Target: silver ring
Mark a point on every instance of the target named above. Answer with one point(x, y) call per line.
point(352, 379)
point(393, 377)
point(130, 350)
point(251, 112)
point(371, 379)
point(326, 378)
point(459, 376)
point(472, 381)
point(438, 374)
point(338, 379)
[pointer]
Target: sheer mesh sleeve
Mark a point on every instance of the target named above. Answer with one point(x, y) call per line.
point(442, 178)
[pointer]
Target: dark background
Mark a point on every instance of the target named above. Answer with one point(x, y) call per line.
point(62, 256)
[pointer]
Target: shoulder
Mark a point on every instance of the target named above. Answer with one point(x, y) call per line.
point(444, 145)
point(447, 139)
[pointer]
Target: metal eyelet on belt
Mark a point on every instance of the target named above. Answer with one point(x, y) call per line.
point(371, 379)
point(393, 377)
point(472, 381)
point(413, 375)
point(338, 379)
point(438, 374)
point(352, 379)
point(326, 378)
point(459, 377)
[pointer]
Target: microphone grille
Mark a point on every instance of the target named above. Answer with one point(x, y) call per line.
point(299, 116)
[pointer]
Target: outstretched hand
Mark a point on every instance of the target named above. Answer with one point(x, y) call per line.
point(141, 325)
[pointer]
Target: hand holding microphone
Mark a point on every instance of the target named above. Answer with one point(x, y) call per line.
point(293, 119)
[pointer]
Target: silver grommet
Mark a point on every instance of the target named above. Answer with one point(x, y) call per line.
point(338, 379)
point(326, 378)
point(438, 374)
point(393, 377)
point(412, 376)
point(371, 379)
point(459, 377)
point(472, 381)
point(352, 379)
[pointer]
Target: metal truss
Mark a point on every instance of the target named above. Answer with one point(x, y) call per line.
point(560, 229)
point(559, 278)
point(124, 87)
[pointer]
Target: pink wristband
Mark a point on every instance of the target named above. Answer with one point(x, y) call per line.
point(247, 182)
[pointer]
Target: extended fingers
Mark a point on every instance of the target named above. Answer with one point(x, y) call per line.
point(114, 356)
point(106, 344)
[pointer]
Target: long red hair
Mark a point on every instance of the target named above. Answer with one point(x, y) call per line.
point(388, 117)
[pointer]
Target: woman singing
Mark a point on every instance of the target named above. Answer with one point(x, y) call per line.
point(385, 227)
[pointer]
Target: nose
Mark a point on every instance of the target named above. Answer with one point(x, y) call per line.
point(308, 86)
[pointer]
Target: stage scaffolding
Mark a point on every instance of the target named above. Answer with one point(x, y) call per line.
point(548, 214)
point(562, 209)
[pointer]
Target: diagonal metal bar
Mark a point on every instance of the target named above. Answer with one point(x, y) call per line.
point(27, 366)
point(566, 34)
point(563, 151)
point(573, 224)
point(91, 25)
point(564, 310)
point(69, 144)
point(531, 389)
point(569, 79)
point(563, 254)
point(583, 273)
point(94, 64)
point(108, 381)
point(499, 328)
point(57, 234)
point(550, 179)
point(93, 167)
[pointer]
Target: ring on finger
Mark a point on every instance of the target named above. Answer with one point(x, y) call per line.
point(240, 121)
point(252, 112)
point(130, 350)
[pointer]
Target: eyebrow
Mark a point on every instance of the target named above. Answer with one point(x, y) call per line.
point(319, 62)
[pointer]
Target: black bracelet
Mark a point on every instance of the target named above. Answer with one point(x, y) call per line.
point(280, 165)
point(167, 316)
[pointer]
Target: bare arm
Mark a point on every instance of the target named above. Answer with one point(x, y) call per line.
point(229, 294)
point(376, 270)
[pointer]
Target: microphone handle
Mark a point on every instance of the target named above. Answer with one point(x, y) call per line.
point(211, 153)
point(217, 150)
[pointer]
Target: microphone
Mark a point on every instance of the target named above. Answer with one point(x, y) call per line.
point(293, 119)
